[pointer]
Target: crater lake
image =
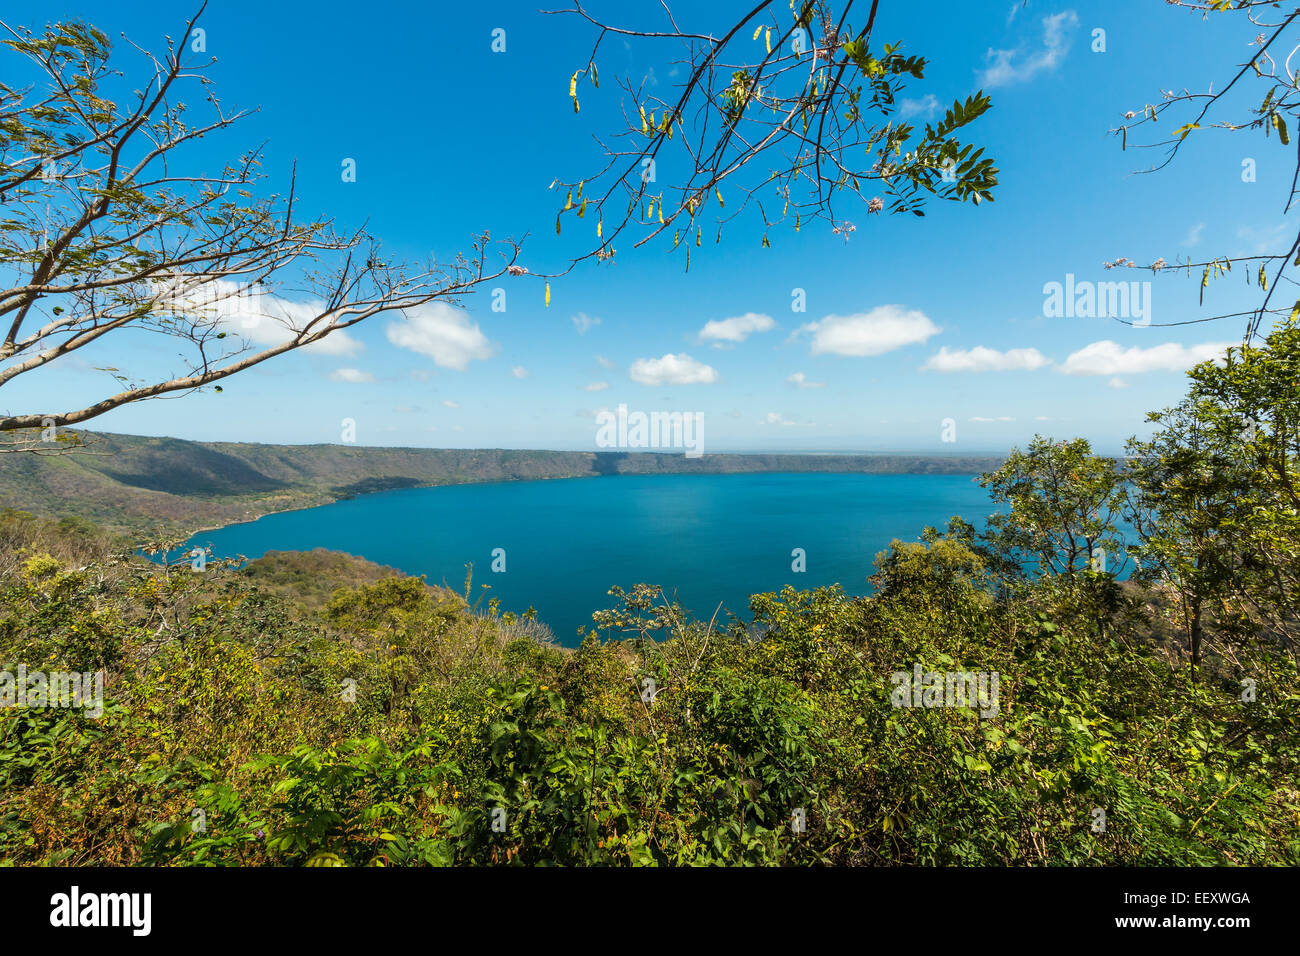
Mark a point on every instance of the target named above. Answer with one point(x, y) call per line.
point(710, 540)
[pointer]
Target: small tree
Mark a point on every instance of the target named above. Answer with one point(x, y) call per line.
point(1251, 402)
point(1065, 504)
point(1186, 487)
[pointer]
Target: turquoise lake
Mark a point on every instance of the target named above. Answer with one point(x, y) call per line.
point(711, 539)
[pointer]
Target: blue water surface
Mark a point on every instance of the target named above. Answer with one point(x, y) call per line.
point(711, 539)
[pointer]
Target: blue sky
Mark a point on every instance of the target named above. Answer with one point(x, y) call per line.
point(908, 323)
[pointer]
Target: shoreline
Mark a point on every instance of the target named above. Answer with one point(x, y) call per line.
point(153, 490)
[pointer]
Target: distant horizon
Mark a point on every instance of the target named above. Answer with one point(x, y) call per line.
point(810, 452)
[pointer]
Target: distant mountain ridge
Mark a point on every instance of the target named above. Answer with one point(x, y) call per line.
point(170, 486)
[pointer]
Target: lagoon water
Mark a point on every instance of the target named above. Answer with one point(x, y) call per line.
point(711, 539)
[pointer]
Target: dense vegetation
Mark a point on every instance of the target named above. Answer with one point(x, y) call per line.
point(164, 486)
point(248, 721)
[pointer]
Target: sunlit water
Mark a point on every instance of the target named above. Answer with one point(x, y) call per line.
point(711, 539)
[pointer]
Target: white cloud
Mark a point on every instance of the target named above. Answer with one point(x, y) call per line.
point(881, 330)
point(519, 371)
point(800, 380)
point(604, 362)
point(596, 387)
point(1194, 236)
point(1110, 358)
point(443, 333)
point(735, 329)
point(981, 359)
point(776, 418)
point(582, 322)
point(1013, 66)
point(350, 375)
point(1117, 382)
point(254, 314)
point(678, 369)
point(925, 106)
point(1263, 241)
point(448, 403)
